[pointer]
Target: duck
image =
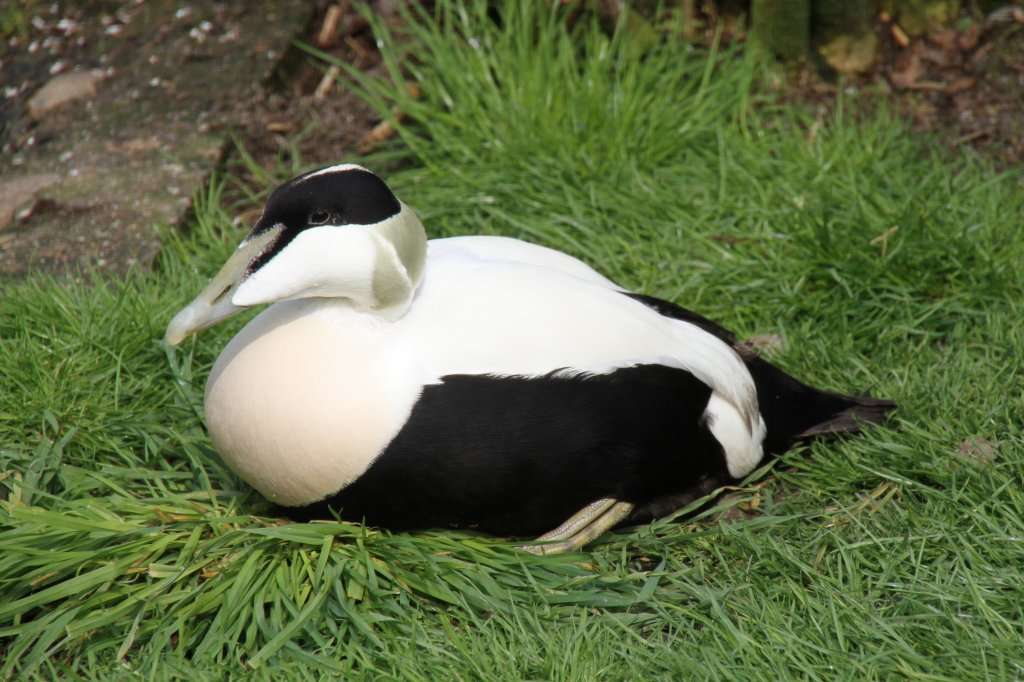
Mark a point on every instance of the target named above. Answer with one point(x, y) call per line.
point(475, 382)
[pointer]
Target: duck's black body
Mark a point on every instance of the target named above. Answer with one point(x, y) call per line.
point(520, 455)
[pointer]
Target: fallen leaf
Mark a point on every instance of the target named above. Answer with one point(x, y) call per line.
point(981, 449)
point(280, 127)
point(961, 84)
point(899, 35)
point(766, 342)
point(1005, 15)
point(907, 68)
point(325, 38)
point(968, 40)
point(946, 39)
point(941, 58)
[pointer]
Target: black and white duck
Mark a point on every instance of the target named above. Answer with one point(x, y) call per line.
point(475, 382)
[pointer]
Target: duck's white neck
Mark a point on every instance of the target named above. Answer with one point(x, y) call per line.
point(340, 312)
point(400, 260)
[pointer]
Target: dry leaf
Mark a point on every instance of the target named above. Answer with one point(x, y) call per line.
point(766, 342)
point(981, 449)
point(961, 84)
point(907, 68)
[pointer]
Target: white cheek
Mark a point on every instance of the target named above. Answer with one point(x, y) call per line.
point(320, 261)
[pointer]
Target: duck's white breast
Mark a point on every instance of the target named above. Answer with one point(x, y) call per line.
point(299, 405)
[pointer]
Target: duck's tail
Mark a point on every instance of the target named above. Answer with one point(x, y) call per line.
point(791, 409)
point(794, 411)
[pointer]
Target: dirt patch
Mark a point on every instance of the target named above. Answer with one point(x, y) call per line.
point(306, 115)
point(980, 98)
point(964, 84)
point(128, 104)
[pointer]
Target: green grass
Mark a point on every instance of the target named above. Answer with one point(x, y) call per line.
point(128, 550)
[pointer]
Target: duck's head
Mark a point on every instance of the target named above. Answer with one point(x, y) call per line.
point(336, 232)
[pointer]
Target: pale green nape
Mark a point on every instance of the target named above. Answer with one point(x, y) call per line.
point(394, 282)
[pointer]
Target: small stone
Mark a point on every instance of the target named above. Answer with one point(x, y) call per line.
point(61, 89)
point(16, 192)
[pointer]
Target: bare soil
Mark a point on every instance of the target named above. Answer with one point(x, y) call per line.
point(123, 145)
point(964, 84)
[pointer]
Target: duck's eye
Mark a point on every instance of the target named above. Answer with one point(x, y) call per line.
point(319, 217)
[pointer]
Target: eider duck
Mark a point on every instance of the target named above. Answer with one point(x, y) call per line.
point(475, 382)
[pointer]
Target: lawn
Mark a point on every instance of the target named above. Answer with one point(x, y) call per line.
point(885, 263)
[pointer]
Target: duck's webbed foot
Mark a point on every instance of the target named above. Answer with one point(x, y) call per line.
point(583, 527)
